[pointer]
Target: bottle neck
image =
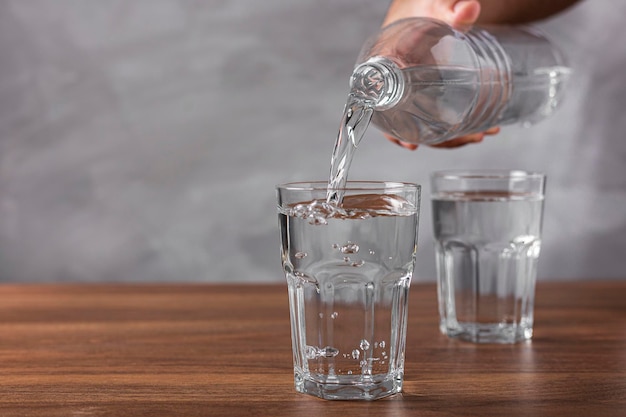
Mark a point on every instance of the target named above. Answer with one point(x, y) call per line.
point(377, 82)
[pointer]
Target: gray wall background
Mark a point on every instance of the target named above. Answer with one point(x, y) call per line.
point(141, 140)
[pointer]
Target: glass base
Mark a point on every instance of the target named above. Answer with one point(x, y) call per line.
point(488, 332)
point(349, 388)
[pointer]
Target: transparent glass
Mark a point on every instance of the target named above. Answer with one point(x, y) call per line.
point(348, 269)
point(429, 82)
point(487, 227)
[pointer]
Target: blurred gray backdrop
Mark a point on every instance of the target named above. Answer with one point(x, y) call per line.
point(142, 140)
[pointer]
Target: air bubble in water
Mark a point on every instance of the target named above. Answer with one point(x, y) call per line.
point(304, 278)
point(300, 255)
point(356, 354)
point(382, 344)
point(358, 263)
point(334, 315)
point(350, 248)
point(346, 259)
point(329, 352)
point(310, 352)
point(372, 252)
point(317, 220)
point(364, 345)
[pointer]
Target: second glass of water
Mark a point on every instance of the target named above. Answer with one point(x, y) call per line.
point(348, 265)
point(487, 227)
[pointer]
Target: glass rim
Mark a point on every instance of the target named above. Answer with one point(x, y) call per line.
point(487, 174)
point(356, 185)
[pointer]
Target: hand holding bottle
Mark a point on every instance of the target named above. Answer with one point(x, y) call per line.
point(462, 15)
point(459, 14)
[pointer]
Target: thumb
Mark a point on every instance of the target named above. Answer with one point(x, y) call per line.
point(464, 13)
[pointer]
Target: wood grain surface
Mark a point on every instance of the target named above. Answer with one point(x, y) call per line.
point(225, 350)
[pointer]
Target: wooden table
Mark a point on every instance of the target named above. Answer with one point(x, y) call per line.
point(225, 350)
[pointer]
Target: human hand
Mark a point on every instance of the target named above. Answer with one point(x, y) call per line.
point(460, 14)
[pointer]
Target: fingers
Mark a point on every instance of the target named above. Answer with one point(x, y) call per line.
point(458, 13)
point(465, 13)
point(493, 131)
point(452, 143)
point(406, 145)
point(400, 9)
point(462, 141)
point(468, 139)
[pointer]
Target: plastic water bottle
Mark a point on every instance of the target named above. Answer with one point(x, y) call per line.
point(428, 82)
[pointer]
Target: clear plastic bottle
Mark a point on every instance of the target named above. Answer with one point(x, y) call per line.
point(428, 82)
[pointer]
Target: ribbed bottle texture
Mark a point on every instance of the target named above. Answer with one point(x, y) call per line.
point(429, 83)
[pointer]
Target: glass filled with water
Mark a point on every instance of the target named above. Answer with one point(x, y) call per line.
point(348, 264)
point(487, 227)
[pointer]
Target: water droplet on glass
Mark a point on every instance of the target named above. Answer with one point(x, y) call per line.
point(364, 345)
point(358, 263)
point(346, 259)
point(356, 354)
point(334, 315)
point(335, 246)
point(382, 344)
point(349, 372)
point(372, 252)
point(300, 255)
point(321, 315)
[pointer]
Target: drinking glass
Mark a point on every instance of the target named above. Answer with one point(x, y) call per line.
point(348, 268)
point(487, 227)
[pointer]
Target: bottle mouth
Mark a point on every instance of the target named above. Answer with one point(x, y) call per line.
point(378, 82)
